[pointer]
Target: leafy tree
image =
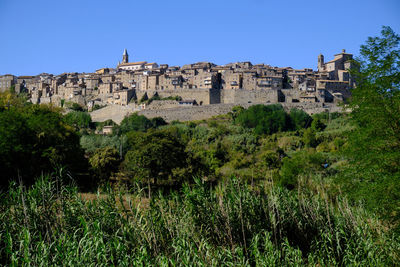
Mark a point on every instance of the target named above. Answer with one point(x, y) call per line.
point(78, 119)
point(264, 119)
point(299, 119)
point(375, 144)
point(9, 100)
point(236, 110)
point(154, 156)
point(157, 122)
point(144, 98)
point(34, 139)
point(12, 89)
point(90, 143)
point(76, 107)
point(300, 163)
point(317, 125)
point(16, 145)
point(134, 122)
point(309, 138)
point(104, 162)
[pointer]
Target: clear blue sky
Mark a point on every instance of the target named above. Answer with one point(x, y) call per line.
point(79, 35)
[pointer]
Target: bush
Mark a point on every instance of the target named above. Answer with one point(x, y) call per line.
point(302, 162)
point(104, 162)
point(78, 119)
point(317, 125)
point(35, 139)
point(299, 119)
point(264, 119)
point(134, 122)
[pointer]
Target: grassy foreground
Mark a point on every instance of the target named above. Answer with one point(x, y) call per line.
point(229, 224)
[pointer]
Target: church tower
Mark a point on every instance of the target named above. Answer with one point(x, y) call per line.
point(320, 62)
point(125, 57)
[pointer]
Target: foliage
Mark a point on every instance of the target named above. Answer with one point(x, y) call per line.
point(264, 119)
point(317, 125)
point(90, 143)
point(134, 122)
point(309, 137)
point(100, 125)
point(78, 119)
point(34, 139)
point(157, 122)
point(300, 163)
point(374, 146)
point(74, 106)
point(16, 145)
point(144, 98)
point(232, 224)
point(97, 106)
point(104, 162)
point(299, 119)
point(157, 97)
point(10, 100)
point(154, 156)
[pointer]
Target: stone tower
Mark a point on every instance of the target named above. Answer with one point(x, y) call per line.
point(320, 62)
point(125, 57)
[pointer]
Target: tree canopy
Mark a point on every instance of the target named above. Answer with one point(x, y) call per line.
point(375, 144)
point(154, 155)
point(34, 139)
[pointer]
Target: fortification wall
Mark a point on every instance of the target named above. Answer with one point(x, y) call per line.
point(240, 96)
point(162, 104)
point(204, 112)
point(202, 96)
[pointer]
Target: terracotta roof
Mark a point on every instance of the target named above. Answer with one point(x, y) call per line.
point(150, 63)
point(133, 63)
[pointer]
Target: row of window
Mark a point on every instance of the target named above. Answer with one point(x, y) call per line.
point(4, 84)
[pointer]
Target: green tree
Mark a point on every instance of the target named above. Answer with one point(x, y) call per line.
point(299, 119)
point(154, 156)
point(134, 122)
point(375, 144)
point(16, 145)
point(157, 122)
point(78, 119)
point(309, 138)
point(104, 162)
point(144, 98)
point(34, 139)
point(264, 119)
point(317, 125)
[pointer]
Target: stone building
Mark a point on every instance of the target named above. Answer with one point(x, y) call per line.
point(203, 82)
point(6, 81)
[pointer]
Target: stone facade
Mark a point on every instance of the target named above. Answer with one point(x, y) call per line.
point(6, 81)
point(203, 82)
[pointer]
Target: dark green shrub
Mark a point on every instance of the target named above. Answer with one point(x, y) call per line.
point(299, 119)
point(134, 122)
point(264, 119)
point(78, 119)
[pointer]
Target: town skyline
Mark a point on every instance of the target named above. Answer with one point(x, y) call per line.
point(82, 37)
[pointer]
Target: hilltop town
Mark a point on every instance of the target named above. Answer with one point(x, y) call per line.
point(197, 84)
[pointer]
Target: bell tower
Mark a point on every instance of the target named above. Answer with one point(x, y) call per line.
point(125, 57)
point(320, 62)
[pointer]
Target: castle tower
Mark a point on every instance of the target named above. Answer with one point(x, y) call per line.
point(320, 62)
point(125, 57)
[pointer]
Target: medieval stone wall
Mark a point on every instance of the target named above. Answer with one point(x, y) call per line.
point(240, 96)
point(204, 112)
point(202, 96)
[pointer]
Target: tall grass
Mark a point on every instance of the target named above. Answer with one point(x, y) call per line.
point(231, 224)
